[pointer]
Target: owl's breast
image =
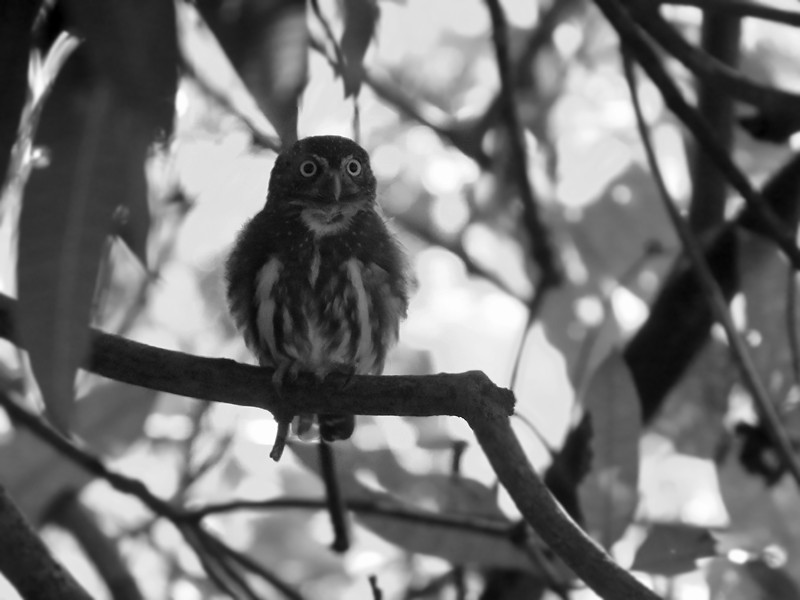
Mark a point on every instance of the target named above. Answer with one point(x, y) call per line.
point(329, 312)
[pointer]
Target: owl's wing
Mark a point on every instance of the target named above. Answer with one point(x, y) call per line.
point(253, 249)
point(385, 251)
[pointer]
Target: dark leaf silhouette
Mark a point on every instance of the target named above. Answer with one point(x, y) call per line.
point(360, 20)
point(673, 549)
point(268, 44)
point(96, 147)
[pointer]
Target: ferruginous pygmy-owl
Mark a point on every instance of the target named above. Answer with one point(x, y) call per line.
point(316, 282)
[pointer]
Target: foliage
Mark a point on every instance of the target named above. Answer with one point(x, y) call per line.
point(510, 164)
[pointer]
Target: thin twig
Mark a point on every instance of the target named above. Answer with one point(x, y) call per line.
point(120, 482)
point(326, 27)
point(534, 308)
point(640, 48)
point(496, 528)
point(540, 238)
point(456, 247)
point(716, 299)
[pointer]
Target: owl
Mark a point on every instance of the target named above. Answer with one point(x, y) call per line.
point(315, 281)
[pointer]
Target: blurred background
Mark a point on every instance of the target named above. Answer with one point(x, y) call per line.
point(143, 137)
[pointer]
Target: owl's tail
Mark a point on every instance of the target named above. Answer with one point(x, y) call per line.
point(336, 427)
point(329, 427)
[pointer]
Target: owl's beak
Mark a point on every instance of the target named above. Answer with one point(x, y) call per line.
point(335, 185)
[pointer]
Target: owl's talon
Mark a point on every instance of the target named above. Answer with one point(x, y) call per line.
point(280, 440)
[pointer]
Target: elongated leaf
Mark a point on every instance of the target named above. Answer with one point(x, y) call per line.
point(96, 145)
point(360, 20)
point(609, 494)
point(673, 549)
point(132, 45)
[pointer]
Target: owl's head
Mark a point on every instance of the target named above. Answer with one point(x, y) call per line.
point(322, 172)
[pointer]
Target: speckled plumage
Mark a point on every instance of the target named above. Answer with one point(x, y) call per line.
point(316, 282)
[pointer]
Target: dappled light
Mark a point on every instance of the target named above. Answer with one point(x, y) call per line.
point(596, 388)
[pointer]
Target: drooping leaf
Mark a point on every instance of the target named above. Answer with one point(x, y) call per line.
point(268, 43)
point(609, 492)
point(673, 549)
point(96, 144)
point(132, 45)
point(208, 62)
point(360, 21)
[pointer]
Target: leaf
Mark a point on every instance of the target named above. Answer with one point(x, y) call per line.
point(268, 43)
point(16, 22)
point(433, 494)
point(765, 279)
point(132, 46)
point(208, 62)
point(96, 145)
point(459, 545)
point(673, 549)
point(360, 21)
point(609, 493)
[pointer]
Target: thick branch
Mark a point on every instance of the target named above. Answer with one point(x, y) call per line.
point(27, 563)
point(471, 396)
point(537, 505)
point(720, 39)
point(723, 77)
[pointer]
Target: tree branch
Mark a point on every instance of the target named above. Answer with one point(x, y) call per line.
point(27, 563)
point(641, 49)
point(716, 299)
point(212, 553)
point(73, 516)
point(743, 8)
point(720, 39)
point(540, 238)
point(471, 396)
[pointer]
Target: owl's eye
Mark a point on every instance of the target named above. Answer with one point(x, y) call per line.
point(308, 168)
point(353, 167)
